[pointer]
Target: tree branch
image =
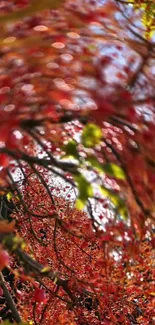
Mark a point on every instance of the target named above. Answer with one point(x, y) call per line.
point(9, 300)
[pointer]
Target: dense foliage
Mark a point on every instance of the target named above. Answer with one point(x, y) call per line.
point(77, 162)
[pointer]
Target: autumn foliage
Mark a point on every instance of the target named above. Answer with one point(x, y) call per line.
point(77, 162)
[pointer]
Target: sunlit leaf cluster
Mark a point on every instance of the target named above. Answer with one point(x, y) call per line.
point(147, 8)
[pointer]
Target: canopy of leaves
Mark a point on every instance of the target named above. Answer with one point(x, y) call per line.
point(77, 162)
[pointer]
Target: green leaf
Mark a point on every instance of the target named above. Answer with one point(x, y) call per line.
point(114, 171)
point(85, 191)
point(79, 205)
point(109, 169)
point(116, 200)
point(71, 150)
point(95, 163)
point(92, 135)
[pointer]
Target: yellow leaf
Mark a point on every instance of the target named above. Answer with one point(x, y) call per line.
point(55, 280)
point(9, 196)
point(46, 269)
